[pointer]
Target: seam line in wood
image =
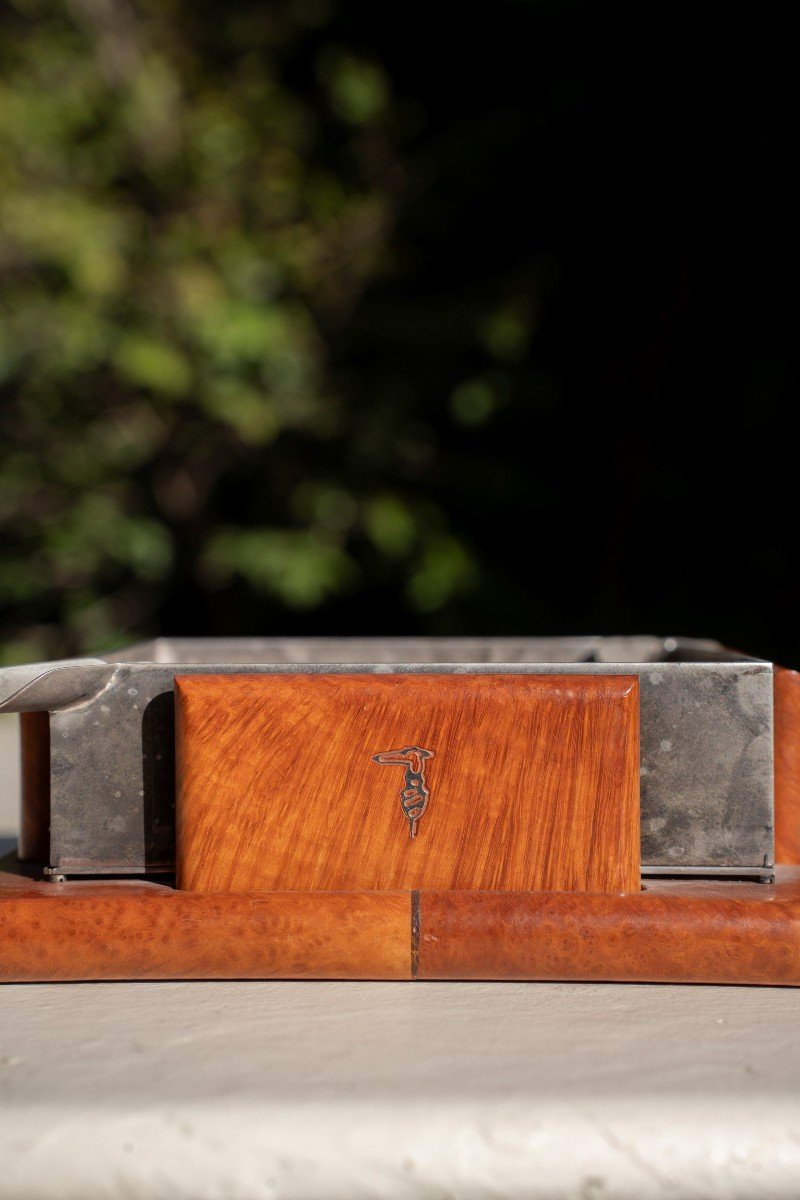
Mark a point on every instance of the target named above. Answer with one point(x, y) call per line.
point(415, 934)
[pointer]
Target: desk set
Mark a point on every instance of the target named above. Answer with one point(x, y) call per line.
point(622, 809)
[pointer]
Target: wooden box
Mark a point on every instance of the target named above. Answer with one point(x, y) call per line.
point(411, 826)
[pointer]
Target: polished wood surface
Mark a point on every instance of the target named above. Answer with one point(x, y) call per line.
point(670, 932)
point(125, 930)
point(676, 932)
point(34, 740)
point(530, 781)
point(787, 766)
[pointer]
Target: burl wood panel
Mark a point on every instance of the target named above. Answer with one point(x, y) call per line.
point(787, 766)
point(533, 782)
point(34, 740)
point(127, 930)
point(686, 932)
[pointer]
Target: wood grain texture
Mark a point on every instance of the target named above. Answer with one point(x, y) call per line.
point(674, 932)
point(126, 930)
point(533, 782)
point(787, 766)
point(34, 740)
point(734, 933)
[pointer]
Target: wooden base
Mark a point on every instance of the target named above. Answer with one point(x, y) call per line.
point(671, 932)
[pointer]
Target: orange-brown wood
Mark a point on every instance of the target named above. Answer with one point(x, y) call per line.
point(125, 930)
point(686, 932)
point(533, 782)
point(34, 738)
point(671, 932)
point(787, 766)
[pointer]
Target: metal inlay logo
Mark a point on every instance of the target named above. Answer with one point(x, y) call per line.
point(413, 794)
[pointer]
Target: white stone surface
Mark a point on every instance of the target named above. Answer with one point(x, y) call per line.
point(321, 1091)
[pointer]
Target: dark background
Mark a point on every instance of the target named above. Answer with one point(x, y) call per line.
point(561, 371)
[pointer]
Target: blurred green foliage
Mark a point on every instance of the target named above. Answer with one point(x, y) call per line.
point(192, 202)
point(323, 316)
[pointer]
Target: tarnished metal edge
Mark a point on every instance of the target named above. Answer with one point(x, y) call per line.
point(47, 687)
point(659, 871)
point(754, 665)
point(52, 686)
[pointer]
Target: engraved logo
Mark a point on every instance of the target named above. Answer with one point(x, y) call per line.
point(413, 794)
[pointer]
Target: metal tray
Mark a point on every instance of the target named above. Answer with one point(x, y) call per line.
point(706, 736)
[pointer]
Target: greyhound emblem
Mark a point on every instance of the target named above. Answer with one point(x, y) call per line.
point(413, 794)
